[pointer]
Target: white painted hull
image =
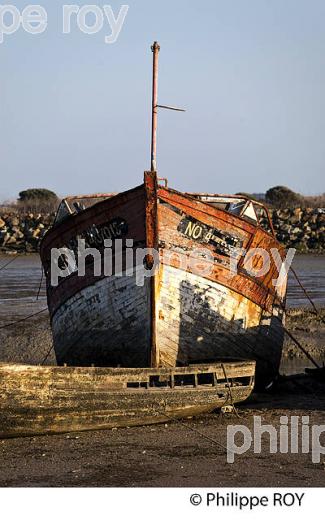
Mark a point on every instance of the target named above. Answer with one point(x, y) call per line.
point(199, 320)
point(108, 324)
point(105, 324)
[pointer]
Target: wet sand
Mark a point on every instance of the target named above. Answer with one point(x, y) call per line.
point(164, 455)
point(309, 330)
point(174, 454)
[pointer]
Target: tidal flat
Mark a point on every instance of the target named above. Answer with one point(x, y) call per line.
point(191, 452)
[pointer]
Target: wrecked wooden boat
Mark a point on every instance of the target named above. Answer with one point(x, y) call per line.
point(37, 400)
point(177, 316)
point(170, 296)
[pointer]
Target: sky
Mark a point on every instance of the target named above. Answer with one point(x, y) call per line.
point(75, 111)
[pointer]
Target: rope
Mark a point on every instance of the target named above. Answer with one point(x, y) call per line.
point(304, 290)
point(8, 263)
point(291, 336)
point(40, 285)
point(211, 439)
point(229, 388)
point(47, 355)
point(22, 319)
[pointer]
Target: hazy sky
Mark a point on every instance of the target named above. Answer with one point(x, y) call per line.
point(75, 112)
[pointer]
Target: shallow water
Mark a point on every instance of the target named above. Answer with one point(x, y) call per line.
point(20, 282)
point(297, 365)
point(311, 272)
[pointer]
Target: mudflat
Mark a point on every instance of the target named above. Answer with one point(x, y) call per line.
point(191, 452)
point(31, 341)
point(185, 453)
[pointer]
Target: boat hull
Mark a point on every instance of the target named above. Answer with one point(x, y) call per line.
point(187, 311)
point(105, 324)
point(199, 320)
point(41, 400)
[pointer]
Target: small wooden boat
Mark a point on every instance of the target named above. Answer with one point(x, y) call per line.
point(37, 400)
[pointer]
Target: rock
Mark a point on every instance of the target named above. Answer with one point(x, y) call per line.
point(5, 238)
point(286, 228)
point(18, 235)
point(11, 240)
point(303, 229)
point(13, 221)
point(296, 216)
point(295, 220)
point(36, 233)
point(295, 227)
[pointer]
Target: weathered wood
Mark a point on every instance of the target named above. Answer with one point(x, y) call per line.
point(106, 323)
point(179, 316)
point(211, 314)
point(37, 400)
point(151, 201)
point(248, 236)
point(128, 206)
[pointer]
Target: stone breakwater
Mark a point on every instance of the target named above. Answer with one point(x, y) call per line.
point(302, 229)
point(23, 232)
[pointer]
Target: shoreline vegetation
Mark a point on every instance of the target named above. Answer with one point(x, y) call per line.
point(300, 228)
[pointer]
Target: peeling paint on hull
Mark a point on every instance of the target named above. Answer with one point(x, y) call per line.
point(178, 316)
point(199, 320)
point(105, 324)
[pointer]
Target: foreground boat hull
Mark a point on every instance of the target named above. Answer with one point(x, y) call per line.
point(41, 400)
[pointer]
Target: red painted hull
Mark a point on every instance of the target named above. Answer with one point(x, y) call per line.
point(179, 315)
